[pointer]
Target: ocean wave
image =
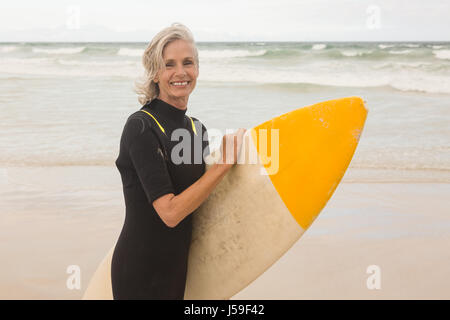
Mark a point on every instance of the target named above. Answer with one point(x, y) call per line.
point(229, 53)
point(336, 53)
point(96, 63)
point(384, 46)
point(380, 54)
point(418, 85)
point(18, 62)
point(442, 54)
point(353, 53)
point(405, 65)
point(98, 50)
point(349, 53)
point(7, 49)
point(130, 52)
point(46, 67)
point(319, 46)
point(281, 53)
point(399, 51)
point(69, 50)
point(406, 84)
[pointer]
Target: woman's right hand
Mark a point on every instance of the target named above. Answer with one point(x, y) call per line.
point(174, 208)
point(229, 155)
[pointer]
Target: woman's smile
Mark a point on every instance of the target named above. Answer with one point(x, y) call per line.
point(180, 84)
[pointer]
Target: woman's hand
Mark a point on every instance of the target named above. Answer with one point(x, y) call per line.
point(231, 145)
point(173, 209)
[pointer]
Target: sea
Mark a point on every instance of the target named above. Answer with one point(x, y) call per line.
point(65, 104)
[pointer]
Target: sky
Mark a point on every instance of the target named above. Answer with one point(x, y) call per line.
point(226, 20)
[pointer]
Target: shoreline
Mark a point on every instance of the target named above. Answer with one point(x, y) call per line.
point(17, 174)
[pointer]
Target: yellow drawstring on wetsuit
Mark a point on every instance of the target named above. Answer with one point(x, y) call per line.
point(161, 127)
point(193, 127)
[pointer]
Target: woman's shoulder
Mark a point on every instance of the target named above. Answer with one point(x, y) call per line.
point(138, 121)
point(136, 127)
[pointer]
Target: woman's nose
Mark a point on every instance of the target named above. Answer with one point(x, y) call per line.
point(180, 70)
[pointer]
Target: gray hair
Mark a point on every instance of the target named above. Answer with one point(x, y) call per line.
point(153, 61)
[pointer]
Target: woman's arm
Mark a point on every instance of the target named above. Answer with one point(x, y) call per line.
point(173, 209)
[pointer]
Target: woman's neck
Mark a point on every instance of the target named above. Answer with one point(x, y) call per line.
point(179, 103)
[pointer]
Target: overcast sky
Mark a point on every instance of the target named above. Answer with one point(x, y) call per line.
point(226, 20)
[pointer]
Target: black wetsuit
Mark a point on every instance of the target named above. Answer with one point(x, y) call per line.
point(150, 258)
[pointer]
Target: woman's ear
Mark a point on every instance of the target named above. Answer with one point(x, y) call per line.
point(156, 77)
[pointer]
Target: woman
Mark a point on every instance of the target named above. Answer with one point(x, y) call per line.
point(150, 257)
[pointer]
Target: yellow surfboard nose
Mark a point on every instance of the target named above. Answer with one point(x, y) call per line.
point(306, 152)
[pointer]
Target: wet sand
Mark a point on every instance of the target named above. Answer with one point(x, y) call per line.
point(55, 217)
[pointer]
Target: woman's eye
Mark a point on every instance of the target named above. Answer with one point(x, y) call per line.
point(185, 63)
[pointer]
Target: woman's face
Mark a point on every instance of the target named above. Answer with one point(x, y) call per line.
point(179, 74)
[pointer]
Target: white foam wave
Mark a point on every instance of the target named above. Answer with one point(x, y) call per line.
point(59, 50)
point(437, 47)
point(353, 53)
point(229, 53)
point(350, 53)
point(60, 67)
point(400, 51)
point(391, 65)
point(96, 63)
point(403, 80)
point(429, 85)
point(6, 49)
point(319, 46)
point(130, 52)
point(442, 54)
point(384, 46)
point(17, 62)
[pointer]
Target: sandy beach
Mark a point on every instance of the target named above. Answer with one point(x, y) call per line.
point(55, 217)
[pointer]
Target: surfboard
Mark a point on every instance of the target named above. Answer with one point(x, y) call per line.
point(287, 170)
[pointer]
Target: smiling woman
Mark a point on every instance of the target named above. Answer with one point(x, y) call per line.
point(150, 257)
point(178, 43)
point(178, 77)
